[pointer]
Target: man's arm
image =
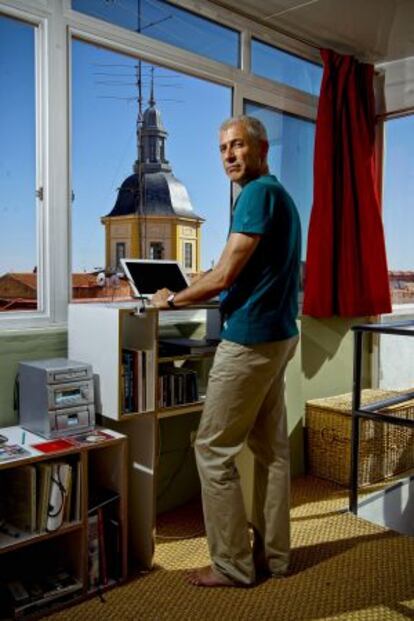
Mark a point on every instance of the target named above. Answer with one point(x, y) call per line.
point(236, 253)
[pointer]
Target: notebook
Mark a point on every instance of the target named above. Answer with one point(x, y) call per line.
point(146, 276)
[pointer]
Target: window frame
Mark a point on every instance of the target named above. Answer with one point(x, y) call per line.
point(42, 315)
point(399, 310)
point(58, 24)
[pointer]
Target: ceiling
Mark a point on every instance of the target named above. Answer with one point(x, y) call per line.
point(372, 30)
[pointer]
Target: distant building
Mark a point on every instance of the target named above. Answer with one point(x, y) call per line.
point(153, 217)
point(18, 290)
point(402, 286)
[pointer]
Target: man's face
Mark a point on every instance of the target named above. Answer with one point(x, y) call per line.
point(243, 157)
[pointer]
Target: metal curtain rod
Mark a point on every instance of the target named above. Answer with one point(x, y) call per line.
point(263, 22)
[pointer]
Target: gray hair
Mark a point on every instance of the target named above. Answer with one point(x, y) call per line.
point(254, 127)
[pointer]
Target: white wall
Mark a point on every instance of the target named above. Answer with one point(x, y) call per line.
point(396, 355)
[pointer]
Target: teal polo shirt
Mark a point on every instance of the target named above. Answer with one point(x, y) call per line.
point(262, 304)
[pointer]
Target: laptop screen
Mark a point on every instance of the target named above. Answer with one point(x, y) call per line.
point(147, 276)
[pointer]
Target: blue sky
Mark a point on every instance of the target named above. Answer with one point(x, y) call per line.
point(399, 192)
point(17, 137)
point(104, 144)
point(104, 149)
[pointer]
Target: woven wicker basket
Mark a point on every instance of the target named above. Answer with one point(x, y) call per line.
point(384, 449)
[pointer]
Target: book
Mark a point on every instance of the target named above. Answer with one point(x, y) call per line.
point(78, 489)
point(35, 594)
point(103, 575)
point(12, 451)
point(19, 497)
point(93, 551)
point(53, 446)
point(44, 475)
point(58, 491)
point(68, 497)
point(129, 378)
point(142, 381)
point(138, 380)
point(91, 437)
point(149, 380)
point(177, 386)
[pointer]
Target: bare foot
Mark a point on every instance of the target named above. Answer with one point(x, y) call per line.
point(207, 577)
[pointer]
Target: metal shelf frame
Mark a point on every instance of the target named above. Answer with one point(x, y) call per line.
point(373, 410)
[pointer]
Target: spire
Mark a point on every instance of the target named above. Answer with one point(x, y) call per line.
point(152, 99)
point(152, 138)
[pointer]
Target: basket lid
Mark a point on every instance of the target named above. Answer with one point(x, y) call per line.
point(343, 402)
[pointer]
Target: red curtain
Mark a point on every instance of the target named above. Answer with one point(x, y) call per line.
point(346, 266)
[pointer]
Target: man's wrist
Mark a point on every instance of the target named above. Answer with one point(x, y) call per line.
point(170, 300)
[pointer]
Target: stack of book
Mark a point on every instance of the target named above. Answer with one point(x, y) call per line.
point(41, 497)
point(137, 385)
point(37, 593)
point(177, 386)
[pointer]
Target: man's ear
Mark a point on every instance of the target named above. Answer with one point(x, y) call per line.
point(264, 148)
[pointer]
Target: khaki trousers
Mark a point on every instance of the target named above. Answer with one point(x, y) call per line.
point(245, 403)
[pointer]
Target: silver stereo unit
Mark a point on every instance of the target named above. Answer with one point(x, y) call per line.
point(56, 397)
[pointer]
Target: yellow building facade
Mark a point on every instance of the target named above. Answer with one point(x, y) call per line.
point(153, 237)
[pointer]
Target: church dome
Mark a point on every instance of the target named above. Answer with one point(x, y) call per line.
point(128, 197)
point(163, 195)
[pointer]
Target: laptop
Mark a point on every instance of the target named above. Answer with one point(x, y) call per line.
point(146, 276)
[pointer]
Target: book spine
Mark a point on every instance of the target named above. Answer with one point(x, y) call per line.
point(102, 554)
point(93, 551)
point(140, 375)
point(150, 379)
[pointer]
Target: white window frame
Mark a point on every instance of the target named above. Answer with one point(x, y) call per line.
point(51, 167)
point(57, 25)
point(399, 312)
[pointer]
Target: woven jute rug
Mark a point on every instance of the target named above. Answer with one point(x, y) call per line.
point(342, 567)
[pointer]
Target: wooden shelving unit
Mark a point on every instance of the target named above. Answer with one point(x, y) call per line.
point(29, 560)
point(98, 333)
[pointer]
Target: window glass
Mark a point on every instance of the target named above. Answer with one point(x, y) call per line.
point(188, 255)
point(184, 193)
point(156, 250)
point(290, 156)
point(120, 254)
point(170, 24)
point(397, 205)
point(18, 258)
point(274, 64)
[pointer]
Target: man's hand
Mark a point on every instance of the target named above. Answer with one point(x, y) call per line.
point(159, 299)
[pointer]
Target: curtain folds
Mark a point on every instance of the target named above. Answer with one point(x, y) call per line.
point(346, 266)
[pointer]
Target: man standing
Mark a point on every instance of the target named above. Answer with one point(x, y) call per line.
point(258, 273)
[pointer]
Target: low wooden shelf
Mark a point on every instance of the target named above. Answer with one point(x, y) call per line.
point(27, 558)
